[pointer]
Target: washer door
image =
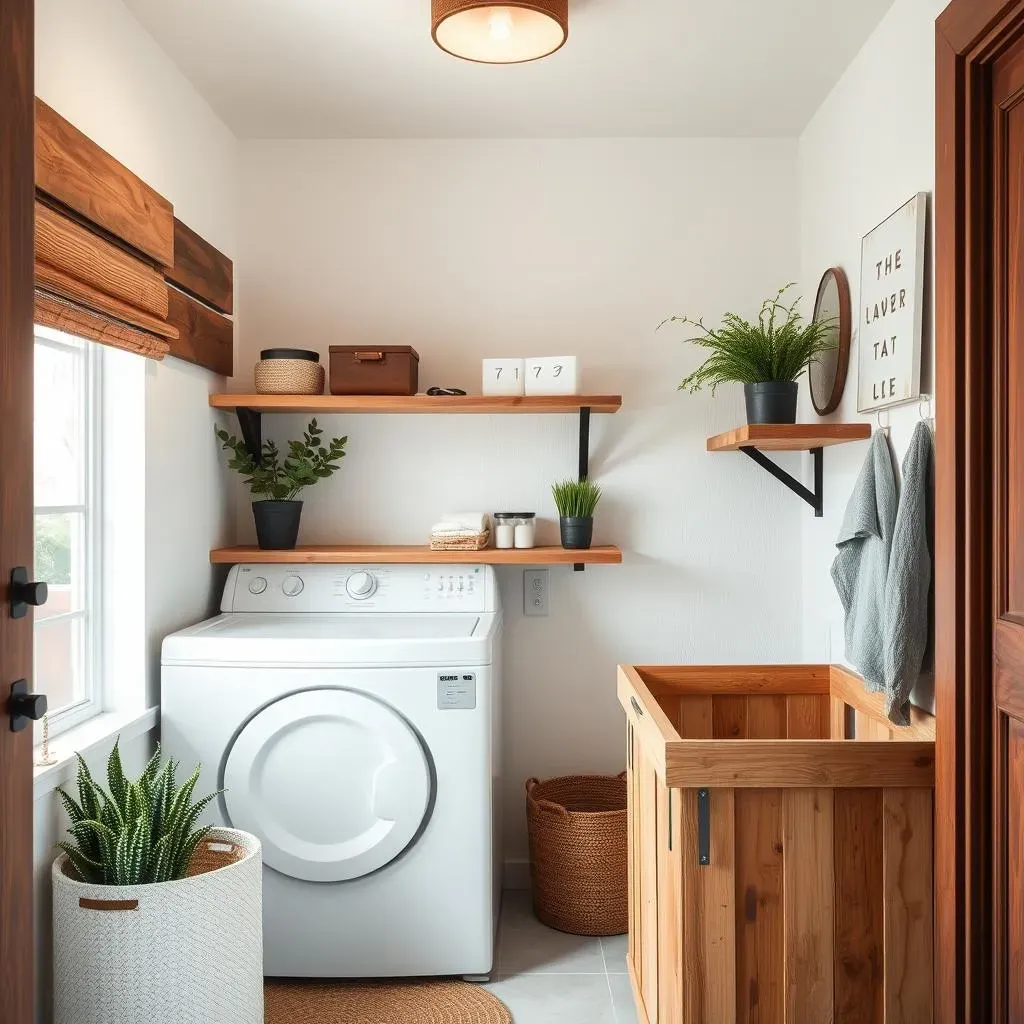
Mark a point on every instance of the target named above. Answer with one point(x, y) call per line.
point(334, 783)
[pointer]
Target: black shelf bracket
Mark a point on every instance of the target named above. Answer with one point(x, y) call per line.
point(815, 498)
point(584, 459)
point(251, 423)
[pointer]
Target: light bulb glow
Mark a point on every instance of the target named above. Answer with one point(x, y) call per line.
point(500, 24)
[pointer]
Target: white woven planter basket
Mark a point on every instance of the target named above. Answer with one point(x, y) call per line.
point(184, 952)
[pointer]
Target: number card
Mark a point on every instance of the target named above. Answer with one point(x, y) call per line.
point(552, 375)
point(892, 308)
point(503, 376)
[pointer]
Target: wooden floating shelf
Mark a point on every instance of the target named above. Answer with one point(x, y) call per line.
point(756, 439)
point(414, 554)
point(484, 404)
point(789, 437)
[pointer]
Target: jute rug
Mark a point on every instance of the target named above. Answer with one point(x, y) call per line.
point(428, 1002)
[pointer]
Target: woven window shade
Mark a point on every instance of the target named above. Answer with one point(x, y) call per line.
point(87, 285)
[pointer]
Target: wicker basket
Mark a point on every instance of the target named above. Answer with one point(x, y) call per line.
point(459, 541)
point(275, 374)
point(578, 858)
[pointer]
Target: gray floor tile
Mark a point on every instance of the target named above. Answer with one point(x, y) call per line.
point(614, 948)
point(622, 999)
point(525, 946)
point(547, 999)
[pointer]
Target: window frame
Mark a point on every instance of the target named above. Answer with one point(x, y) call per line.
point(92, 615)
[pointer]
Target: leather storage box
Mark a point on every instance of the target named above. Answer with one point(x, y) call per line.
point(385, 370)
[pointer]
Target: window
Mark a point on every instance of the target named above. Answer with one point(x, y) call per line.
point(68, 525)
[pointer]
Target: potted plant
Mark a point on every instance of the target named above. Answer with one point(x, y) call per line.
point(275, 481)
point(767, 357)
point(155, 917)
point(576, 501)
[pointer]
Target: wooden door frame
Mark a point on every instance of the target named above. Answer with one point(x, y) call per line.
point(970, 35)
point(17, 191)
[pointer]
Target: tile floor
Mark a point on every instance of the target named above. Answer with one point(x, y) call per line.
point(548, 977)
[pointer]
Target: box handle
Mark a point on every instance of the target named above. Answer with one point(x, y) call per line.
point(368, 357)
point(703, 827)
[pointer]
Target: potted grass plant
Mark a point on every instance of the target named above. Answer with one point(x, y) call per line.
point(767, 357)
point(155, 917)
point(576, 501)
point(278, 478)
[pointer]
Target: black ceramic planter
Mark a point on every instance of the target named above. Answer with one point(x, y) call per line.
point(773, 401)
point(277, 523)
point(577, 532)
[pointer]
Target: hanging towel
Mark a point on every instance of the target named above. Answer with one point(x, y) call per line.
point(907, 612)
point(861, 566)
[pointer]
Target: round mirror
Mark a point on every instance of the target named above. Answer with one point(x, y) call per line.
point(827, 374)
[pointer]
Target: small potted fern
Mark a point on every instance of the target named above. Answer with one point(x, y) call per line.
point(155, 917)
point(277, 479)
point(767, 357)
point(576, 501)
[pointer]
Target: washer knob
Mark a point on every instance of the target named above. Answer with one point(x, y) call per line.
point(360, 585)
point(292, 586)
point(257, 585)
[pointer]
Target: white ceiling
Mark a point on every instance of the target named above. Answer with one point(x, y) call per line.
point(368, 68)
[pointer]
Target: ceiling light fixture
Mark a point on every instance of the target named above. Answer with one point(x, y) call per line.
point(491, 33)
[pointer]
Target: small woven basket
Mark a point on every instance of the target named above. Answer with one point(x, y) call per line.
point(578, 858)
point(289, 377)
point(459, 541)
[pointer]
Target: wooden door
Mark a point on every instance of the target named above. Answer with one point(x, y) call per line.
point(1008, 534)
point(16, 299)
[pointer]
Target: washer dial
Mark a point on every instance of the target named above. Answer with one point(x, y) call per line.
point(360, 585)
point(292, 586)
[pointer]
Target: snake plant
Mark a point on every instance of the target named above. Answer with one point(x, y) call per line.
point(133, 833)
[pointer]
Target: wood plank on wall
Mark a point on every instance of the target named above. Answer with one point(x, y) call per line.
point(74, 249)
point(75, 171)
point(907, 904)
point(201, 270)
point(809, 888)
point(204, 336)
point(859, 941)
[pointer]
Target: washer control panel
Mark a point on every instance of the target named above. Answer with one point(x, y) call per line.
point(358, 588)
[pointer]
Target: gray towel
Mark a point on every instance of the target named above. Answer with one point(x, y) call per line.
point(907, 612)
point(861, 566)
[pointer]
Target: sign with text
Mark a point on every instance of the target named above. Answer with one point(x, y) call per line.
point(892, 308)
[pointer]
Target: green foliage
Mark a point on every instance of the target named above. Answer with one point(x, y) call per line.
point(280, 478)
point(53, 549)
point(576, 498)
point(778, 347)
point(133, 833)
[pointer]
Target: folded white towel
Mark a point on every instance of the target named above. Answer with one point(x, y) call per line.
point(461, 522)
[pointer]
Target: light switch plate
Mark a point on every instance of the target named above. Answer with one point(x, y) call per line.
point(535, 592)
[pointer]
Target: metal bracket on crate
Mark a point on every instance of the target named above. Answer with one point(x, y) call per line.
point(815, 498)
point(584, 458)
point(703, 827)
point(251, 423)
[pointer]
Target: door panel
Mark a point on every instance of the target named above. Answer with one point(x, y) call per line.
point(16, 226)
point(1008, 549)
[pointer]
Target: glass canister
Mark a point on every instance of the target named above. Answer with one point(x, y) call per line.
point(515, 529)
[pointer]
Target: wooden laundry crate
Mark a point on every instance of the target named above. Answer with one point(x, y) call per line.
point(780, 870)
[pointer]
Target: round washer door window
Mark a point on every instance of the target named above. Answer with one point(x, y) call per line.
point(334, 783)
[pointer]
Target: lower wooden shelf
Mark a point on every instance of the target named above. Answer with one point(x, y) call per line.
point(414, 554)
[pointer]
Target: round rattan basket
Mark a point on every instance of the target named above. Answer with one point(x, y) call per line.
point(188, 951)
point(285, 371)
point(578, 853)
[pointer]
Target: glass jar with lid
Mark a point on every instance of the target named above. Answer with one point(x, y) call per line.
point(515, 529)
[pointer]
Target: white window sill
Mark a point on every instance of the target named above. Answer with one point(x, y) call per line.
point(84, 739)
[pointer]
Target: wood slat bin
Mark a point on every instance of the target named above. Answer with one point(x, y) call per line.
point(780, 848)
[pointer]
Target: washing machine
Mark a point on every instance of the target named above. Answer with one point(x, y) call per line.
point(350, 716)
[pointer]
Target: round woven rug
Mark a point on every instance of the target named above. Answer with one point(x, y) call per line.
point(428, 1002)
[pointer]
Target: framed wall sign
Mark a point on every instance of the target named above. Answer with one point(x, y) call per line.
point(892, 308)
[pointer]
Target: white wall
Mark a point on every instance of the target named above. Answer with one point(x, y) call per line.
point(467, 249)
point(102, 71)
point(868, 149)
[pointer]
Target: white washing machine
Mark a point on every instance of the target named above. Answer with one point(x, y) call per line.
point(350, 714)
